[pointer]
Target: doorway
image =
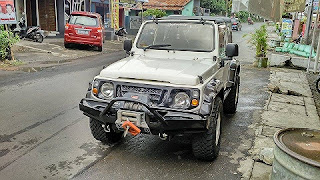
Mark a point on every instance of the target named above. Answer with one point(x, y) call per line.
point(31, 8)
point(47, 15)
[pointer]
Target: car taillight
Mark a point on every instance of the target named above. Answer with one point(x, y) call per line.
point(99, 30)
point(234, 24)
point(67, 26)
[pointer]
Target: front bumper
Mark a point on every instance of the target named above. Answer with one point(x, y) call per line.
point(159, 119)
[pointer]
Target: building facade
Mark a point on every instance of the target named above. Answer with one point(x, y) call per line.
point(50, 15)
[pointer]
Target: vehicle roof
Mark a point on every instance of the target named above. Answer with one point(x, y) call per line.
point(216, 19)
point(84, 13)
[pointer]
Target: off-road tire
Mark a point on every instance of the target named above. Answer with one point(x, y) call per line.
point(204, 145)
point(231, 102)
point(100, 134)
point(318, 84)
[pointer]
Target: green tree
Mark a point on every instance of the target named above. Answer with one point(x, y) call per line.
point(154, 13)
point(215, 6)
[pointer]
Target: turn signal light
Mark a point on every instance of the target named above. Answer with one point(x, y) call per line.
point(194, 102)
point(95, 91)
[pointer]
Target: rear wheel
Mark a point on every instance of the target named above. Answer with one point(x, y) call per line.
point(39, 38)
point(67, 45)
point(231, 102)
point(99, 48)
point(206, 145)
point(103, 133)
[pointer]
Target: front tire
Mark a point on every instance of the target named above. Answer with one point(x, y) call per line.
point(206, 146)
point(231, 102)
point(100, 134)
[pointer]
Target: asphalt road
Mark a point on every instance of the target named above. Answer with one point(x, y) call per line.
point(43, 135)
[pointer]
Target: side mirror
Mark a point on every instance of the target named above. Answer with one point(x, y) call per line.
point(232, 50)
point(127, 45)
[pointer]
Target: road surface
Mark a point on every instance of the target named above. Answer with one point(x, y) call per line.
point(43, 135)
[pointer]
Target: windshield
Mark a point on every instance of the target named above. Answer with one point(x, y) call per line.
point(83, 20)
point(177, 36)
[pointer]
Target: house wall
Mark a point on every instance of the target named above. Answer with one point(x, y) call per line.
point(188, 9)
point(61, 18)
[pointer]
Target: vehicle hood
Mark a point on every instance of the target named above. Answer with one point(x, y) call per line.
point(175, 71)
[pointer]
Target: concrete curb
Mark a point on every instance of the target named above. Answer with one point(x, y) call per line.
point(282, 110)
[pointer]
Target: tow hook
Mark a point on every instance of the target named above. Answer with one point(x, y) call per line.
point(163, 136)
point(131, 128)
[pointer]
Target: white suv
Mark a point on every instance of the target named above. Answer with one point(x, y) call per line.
point(178, 79)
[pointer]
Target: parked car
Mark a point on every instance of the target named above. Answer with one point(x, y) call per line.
point(84, 28)
point(178, 80)
point(236, 24)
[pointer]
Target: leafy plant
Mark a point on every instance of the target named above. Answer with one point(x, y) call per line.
point(215, 6)
point(7, 40)
point(154, 13)
point(259, 40)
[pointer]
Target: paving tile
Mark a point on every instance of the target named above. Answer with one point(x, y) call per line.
point(287, 99)
point(261, 171)
point(286, 108)
point(288, 120)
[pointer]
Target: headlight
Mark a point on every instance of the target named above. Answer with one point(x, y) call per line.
point(107, 90)
point(181, 100)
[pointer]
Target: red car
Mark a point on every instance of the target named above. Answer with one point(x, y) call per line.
point(84, 28)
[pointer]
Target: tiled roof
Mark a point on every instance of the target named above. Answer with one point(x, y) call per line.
point(166, 4)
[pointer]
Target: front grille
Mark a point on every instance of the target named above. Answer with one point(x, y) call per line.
point(154, 94)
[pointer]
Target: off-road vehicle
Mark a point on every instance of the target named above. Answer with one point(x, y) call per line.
point(179, 77)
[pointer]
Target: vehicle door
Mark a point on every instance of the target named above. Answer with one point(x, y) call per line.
point(225, 64)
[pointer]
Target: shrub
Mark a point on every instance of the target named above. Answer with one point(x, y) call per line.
point(7, 40)
point(259, 40)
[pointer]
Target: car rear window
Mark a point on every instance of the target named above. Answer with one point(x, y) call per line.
point(83, 20)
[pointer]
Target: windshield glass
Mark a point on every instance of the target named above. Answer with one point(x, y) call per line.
point(84, 21)
point(180, 36)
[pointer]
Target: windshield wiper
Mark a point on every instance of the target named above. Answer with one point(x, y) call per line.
point(156, 46)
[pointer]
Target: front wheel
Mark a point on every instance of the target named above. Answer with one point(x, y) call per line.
point(102, 133)
point(231, 102)
point(206, 146)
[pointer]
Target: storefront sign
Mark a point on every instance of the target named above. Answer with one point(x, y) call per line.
point(115, 14)
point(294, 5)
point(286, 28)
point(7, 12)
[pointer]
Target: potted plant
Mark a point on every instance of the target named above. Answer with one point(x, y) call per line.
point(259, 40)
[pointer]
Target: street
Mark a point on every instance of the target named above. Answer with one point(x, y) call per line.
point(43, 135)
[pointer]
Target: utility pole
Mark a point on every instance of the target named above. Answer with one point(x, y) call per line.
point(313, 39)
point(309, 21)
point(316, 59)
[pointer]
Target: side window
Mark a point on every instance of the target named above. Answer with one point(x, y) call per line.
point(221, 42)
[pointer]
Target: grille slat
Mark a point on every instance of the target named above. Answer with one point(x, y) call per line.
point(154, 93)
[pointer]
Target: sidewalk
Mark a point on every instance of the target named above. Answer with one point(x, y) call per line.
point(290, 104)
point(51, 52)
